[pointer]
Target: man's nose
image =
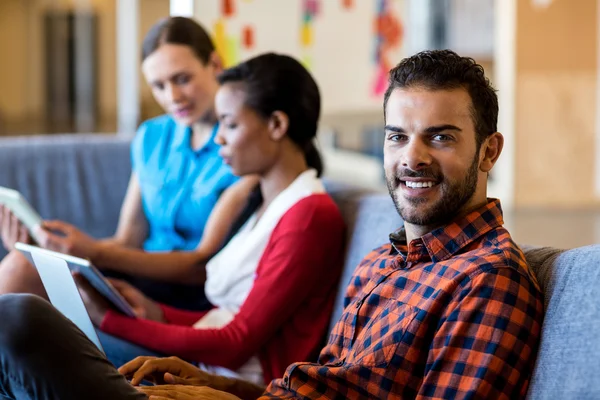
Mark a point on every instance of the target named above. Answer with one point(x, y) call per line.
point(416, 155)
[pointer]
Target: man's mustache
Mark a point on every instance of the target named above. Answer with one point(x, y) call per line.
point(423, 174)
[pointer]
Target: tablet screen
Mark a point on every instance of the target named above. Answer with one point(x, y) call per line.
point(21, 209)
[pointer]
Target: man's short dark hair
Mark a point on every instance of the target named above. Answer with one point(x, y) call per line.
point(443, 70)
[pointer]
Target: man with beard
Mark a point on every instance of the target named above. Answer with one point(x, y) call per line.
point(447, 309)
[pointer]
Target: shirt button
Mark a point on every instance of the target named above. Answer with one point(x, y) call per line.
point(286, 382)
point(359, 303)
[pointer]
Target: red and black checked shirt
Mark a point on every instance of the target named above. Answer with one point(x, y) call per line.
point(454, 314)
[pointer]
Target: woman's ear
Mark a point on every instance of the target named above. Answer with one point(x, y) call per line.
point(278, 125)
point(216, 62)
point(490, 151)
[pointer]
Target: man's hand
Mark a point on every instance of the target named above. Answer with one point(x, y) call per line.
point(65, 238)
point(11, 229)
point(185, 381)
point(178, 392)
point(165, 370)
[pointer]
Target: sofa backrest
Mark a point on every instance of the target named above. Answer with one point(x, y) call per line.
point(79, 179)
point(568, 363)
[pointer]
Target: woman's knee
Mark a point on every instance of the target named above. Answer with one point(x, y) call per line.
point(18, 275)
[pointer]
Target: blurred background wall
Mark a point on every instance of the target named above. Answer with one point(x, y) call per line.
point(556, 103)
point(542, 55)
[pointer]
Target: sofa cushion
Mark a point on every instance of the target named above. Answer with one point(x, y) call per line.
point(80, 179)
point(568, 364)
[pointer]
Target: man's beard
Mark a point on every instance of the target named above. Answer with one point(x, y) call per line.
point(453, 196)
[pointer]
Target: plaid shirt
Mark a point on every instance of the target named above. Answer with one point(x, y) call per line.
point(456, 313)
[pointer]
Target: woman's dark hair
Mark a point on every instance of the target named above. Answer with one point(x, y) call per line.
point(275, 82)
point(178, 30)
point(444, 69)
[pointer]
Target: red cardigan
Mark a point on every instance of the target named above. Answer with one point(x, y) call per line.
point(286, 314)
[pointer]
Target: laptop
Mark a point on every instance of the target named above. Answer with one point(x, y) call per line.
point(61, 289)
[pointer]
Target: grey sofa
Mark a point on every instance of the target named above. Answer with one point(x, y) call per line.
point(82, 180)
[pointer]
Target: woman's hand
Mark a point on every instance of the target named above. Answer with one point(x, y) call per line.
point(171, 370)
point(96, 305)
point(143, 307)
point(178, 392)
point(65, 238)
point(11, 229)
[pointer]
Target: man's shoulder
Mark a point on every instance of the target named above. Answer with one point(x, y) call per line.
point(495, 251)
point(379, 253)
point(375, 259)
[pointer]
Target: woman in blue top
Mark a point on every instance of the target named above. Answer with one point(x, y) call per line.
point(181, 200)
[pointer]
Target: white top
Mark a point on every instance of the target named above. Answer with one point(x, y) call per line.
point(230, 273)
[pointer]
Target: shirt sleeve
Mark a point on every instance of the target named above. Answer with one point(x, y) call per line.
point(291, 266)
point(176, 316)
point(486, 342)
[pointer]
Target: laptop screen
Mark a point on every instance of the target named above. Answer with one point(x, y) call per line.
point(63, 292)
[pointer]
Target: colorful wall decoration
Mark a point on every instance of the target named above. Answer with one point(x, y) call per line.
point(348, 45)
point(227, 45)
point(388, 38)
point(348, 4)
point(310, 10)
point(248, 37)
point(227, 8)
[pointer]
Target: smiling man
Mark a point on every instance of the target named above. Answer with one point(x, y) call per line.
point(447, 309)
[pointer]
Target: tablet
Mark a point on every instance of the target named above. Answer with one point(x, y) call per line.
point(85, 268)
point(21, 209)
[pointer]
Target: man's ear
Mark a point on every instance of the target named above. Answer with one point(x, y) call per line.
point(216, 62)
point(278, 125)
point(490, 151)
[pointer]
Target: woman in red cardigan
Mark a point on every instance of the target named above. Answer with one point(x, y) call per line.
point(273, 284)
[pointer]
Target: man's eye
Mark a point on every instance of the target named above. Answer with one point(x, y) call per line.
point(396, 137)
point(441, 138)
point(158, 86)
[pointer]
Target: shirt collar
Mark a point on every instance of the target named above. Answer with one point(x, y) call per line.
point(182, 136)
point(444, 242)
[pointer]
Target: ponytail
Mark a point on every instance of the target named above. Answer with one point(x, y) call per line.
point(313, 157)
